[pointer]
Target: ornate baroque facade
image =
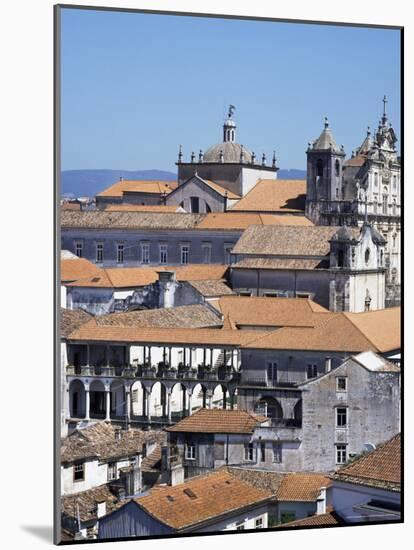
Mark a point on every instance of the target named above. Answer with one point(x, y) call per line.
point(366, 187)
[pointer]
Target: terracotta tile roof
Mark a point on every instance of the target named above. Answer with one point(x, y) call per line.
point(102, 219)
point(382, 327)
point(86, 501)
point(75, 269)
point(231, 338)
point(221, 190)
point(99, 440)
point(302, 487)
point(273, 240)
point(132, 277)
point(199, 272)
point(70, 206)
point(332, 332)
point(380, 468)
point(336, 333)
point(358, 160)
point(132, 219)
point(143, 208)
point(138, 186)
point(212, 288)
point(274, 196)
point(193, 316)
point(219, 421)
point(152, 462)
point(242, 220)
point(200, 499)
point(280, 263)
point(276, 312)
point(320, 520)
point(262, 479)
point(71, 319)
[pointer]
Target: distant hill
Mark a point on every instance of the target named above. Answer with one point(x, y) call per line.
point(87, 183)
point(291, 174)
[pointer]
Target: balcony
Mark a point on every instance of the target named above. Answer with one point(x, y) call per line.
point(160, 372)
point(264, 382)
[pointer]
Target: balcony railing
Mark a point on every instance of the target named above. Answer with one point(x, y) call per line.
point(153, 372)
point(267, 383)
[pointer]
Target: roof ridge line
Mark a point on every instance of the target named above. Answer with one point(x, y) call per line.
point(360, 331)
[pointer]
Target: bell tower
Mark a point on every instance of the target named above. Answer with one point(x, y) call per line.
point(324, 175)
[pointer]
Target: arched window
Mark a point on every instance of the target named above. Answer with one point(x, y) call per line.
point(337, 168)
point(319, 167)
point(367, 256)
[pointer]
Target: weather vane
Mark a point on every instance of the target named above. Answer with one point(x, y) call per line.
point(232, 108)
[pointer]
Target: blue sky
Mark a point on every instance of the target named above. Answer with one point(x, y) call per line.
point(135, 86)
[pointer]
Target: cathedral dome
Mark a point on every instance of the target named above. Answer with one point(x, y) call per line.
point(227, 152)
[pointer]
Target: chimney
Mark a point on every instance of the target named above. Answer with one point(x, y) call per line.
point(328, 364)
point(321, 502)
point(225, 201)
point(100, 508)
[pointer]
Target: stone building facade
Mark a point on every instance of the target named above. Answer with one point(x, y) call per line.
point(367, 186)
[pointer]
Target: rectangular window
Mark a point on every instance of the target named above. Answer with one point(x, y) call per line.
point(206, 253)
point(240, 526)
point(111, 471)
point(277, 452)
point(163, 254)
point(249, 452)
point(79, 250)
point(258, 523)
point(272, 372)
point(340, 454)
point(120, 253)
point(341, 383)
point(341, 417)
point(262, 452)
point(227, 253)
point(185, 254)
point(312, 371)
point(79, 471)
point(190, 451)
point(99, 253)
point(195, 205)
point(145, 253)
point(245, 293)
